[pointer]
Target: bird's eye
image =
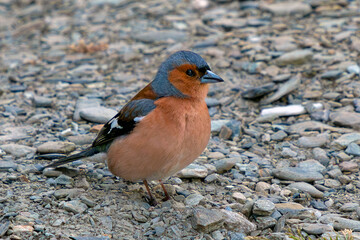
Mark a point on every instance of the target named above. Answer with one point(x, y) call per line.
point(190, 73)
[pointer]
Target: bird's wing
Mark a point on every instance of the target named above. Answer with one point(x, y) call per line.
point(125, 121)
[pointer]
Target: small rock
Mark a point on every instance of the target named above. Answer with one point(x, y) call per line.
point(160, 36)
point(216, 155)
point(297, 174)
point(6, 165)
point(56, 147)
point(63, 180)
point(139, 217)
point(321, 155)
point(239, 197)
point(75, 206)
point(312, 165)
point(225, 132)
point(340, 223)
point(18, 150)
point(226, 164)
point(287, 8)
point(332, 183)
point(346, 119)
point(316, 228)
point(263, 207)
point(40, 101)
point(312, 142)
point(349, 167)
point(331, 75)
point(193, 171)
point(349, 207)
point(97, 114)
point(193, 199)
point(353, 149)
point(207, 220)
point(296, 57)
point(344, 140)
point(262, 187)
point(265, 222)
point(217, 124)
point(22, 229)
point(237, 222)
point(279, 135)
point(306, 187)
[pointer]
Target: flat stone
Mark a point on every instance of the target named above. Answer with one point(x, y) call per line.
point(279, 135)
point(296, 57)
point(317, 228)
point(82, 139)
point(297, 174)
point(216, 155)
point(139, 217)
point(239, 197)
point(346, 119)
point(289, 205)
point(321, 155)
point(40, 101)
point(217, 124)
point(265, 222)
point(353, 149)
point(262, 187)
point(306, 187)
point(18, 150)
point(17, 229)
point(263, 207)
point(332, 183)
point(226, 164)
point(349, 166)
point(312, 165)
point(56, 147)
point(75, 206)
point(287, 8)
point(63, 180)
point(331, 75)
point(312, 142)
point(193, 199)
point(207, 220)
point(83, 103)
point(349, 207)
point(345, 139)
point(340, 223)
point(237, 222)
point(4, 226)
point(97, 114)
point(161, 36)
point(193, 171)
point(6, 165)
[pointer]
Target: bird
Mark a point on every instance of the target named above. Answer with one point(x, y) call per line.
point(162, 129)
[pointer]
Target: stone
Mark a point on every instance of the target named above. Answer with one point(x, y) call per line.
point(289, 205)
point(287, 8)
point(345, 139)
point(331, 75)
point(312, 165)
point(297, 174)
point(332, 183)
point(161, 36)
point(63, 180)
point(353, 149)
point(56, 147)
point(82, 104)
point(296, 57)
point(349, 166)
point(40, 101)
point(306, 187)
point(317, 228)
point(225, 132)
point(279, 135)
point(263, 207)
point(17, 229)
point(217, 124)
point(139, 217)
point(97, 114)
point(75, 206)
point(216, 155)
point(226, 164)
point(7, 165)
point(193, 199)
point(340, 223)
point(262, 187)
point(193, 171)
point(321, 155)
point(237, 222)
point(207, 220)
point(18, 150)
point(239, 197)
point(265, 222)
point(349, 207)
point(312, 142)
point(346, 119)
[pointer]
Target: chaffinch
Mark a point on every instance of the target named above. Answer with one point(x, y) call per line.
point(163, 128)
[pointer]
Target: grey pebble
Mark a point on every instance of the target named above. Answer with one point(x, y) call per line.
point(353, 149)
point(7, 165)
point(306, 187)
point(331, 75)
point(40, 101)
point(263, 208)
point(18, 150)
point(75, 206)
point(207, 220)
point(297, 174)
point(317, 228)
point(193, 199)
point(279, 135)
point(63, 180)
point(312, 142)
point(193, 171)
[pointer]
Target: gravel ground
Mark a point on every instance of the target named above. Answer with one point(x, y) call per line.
point(284, 155)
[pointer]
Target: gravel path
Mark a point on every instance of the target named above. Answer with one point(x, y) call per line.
point(284, 154)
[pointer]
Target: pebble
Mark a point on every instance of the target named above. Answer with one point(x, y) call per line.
point(279, 135)
point(263, 208)
point(193, 199)
point(160, 36)
point(353, 149)
point(317, 228)
point(7, 165)
point(193, 171)
point(237, 222)
point(287, 8)
point(340, 223)
point(97, 114)
point(296, 57)
point(312, 142)
point(306, 187)
point(346, 119)
point(207, 220)
point(312, 165)
point(321, 155)
point(239, 197)
point(40, 101)
point(297, 174)
point(265, 222)
point(75, 206)
point(226, 164)
point(331, 75)
point(349, 207)
point(349, 166)
point(84, 103)
point(56, 147)
point(345, 139)
point(18, 150)
point(63, 180)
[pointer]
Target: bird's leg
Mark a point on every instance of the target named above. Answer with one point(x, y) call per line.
point(167, 197)
point(151, 200)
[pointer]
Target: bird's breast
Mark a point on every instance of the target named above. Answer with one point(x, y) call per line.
point(168, 139)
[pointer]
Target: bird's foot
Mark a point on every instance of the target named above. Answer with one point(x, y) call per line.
point(150, 200)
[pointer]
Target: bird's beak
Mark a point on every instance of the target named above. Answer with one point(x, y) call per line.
point(210, 77)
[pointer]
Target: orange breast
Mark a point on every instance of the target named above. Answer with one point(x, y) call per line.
point(164, 142)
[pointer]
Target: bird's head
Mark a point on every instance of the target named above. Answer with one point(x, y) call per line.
point(184, 74)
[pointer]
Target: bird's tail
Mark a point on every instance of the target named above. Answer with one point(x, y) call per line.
point(86, 153)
